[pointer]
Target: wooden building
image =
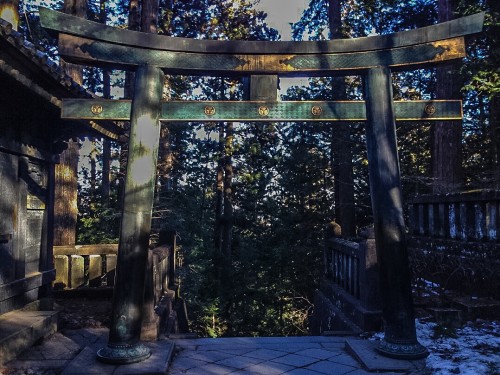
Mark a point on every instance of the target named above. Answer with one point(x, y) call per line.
point(32, 136)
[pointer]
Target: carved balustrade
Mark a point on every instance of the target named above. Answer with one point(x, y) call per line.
point(469, 217)
point(353, 267)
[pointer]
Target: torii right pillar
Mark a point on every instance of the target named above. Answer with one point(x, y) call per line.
point(400, 338)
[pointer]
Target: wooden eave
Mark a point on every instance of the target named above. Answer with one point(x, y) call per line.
point(33, 69)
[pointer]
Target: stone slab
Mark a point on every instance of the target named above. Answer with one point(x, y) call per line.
point(364, 351)
point(21, 329)
point(327, 367)
point(55, 364)
point(158, 363)
point(86, 362)
point(58, 347)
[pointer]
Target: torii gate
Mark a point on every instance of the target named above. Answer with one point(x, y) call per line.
point(150, 55)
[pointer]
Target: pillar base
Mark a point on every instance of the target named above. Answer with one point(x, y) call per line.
point(123, 354)
point(402, 350)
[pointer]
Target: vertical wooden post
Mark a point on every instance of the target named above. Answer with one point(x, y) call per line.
point(123, 344)
point(400, 339)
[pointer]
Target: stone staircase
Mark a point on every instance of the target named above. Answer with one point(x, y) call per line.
point(20, 329)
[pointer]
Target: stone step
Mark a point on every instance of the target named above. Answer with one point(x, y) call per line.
point(20, 329)
point(364, 351)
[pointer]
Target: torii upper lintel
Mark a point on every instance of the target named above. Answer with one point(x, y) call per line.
point(91, 43)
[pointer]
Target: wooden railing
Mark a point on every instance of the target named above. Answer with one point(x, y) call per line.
point(342, 264)
point(454, 241)
point(84, 265)
point(353, 267)
point(94, 265)
point(348, 297)
point(87, 266)
point(160, 290)
point(469, 216)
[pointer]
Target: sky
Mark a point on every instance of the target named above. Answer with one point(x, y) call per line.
point(280, 13)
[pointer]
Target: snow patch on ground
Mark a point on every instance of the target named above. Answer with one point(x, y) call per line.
point(472, 350)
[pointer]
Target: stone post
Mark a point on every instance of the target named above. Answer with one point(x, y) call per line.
point(123, 344)
point(400, 340)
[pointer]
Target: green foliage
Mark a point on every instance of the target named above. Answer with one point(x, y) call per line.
point(98, 216)
point(98, 225)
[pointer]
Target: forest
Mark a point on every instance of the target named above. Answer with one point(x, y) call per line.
point(251, 201)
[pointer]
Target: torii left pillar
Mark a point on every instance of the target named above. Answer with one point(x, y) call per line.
point(124, 344)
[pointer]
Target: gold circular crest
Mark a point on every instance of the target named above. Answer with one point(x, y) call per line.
point(316, 110)
point(263, 111)
point(430, 109)
point(209, 110)
point(96, 109)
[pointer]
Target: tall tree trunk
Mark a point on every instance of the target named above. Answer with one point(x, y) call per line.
point(143, 16)
point(495, 137)
point(227, 234)
point(219, 197)
point(226, 279)
point(447, 135)
point(76, 8)
point(341, 142)
point(106, 171)
point(166, 151)
point(344, 179)
point(149, 16)
point(106, 144)
point(66, 172)
point(66, 195)
point(134, 23)
point(9, 11)
point(93, 168)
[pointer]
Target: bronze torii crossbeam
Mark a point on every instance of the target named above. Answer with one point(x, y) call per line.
point(90, 43)
point(254, 111)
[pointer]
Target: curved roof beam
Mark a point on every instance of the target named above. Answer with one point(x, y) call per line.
point(86, 42)
point(72, 25)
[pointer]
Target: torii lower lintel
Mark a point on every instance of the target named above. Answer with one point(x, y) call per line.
point(265, 111)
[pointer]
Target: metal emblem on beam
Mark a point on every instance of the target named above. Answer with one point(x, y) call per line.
point(414, 110)
point(263, 111)
point(430, 109)
point(316, 110)
point(96, 109)
point(209, 110)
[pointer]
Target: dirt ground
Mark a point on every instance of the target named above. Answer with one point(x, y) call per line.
point(82, 312)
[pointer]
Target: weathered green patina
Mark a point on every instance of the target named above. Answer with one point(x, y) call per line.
point(254, 111)
point(66, 24)
point(96, 52)
point(92, 43)
point(123, 345)
point(400, 340)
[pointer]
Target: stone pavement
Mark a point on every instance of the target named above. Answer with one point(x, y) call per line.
point(282, 355)
point(72, 352)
